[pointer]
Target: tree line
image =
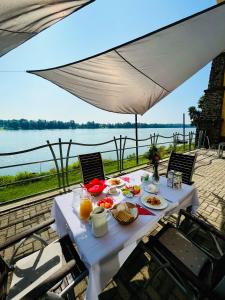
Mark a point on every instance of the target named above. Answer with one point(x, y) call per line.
point(25, 124)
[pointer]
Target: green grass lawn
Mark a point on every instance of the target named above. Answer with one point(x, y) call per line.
point(35, 185)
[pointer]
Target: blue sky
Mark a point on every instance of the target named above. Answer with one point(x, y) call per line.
point(95, 28)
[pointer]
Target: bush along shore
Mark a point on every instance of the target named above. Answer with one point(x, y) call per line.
point(24, 124)
point(25, 184)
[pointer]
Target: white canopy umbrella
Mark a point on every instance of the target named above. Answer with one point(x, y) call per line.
point(22, 19)
point(133, 77)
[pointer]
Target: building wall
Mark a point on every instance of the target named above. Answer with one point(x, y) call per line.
point(212, 118)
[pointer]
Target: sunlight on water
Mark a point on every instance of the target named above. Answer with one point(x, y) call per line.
point(11, 141)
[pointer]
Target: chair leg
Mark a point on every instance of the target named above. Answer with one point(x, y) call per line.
point(70, 295)
point(155, 273)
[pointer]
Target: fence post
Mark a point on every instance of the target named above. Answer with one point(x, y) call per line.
point(120, 154)
point(124, 145)
point(117, 153)
point(67, 162)
point(175, 137)
point(61, 162)
point(184, 140)
point(136, 137)
point(56, 163)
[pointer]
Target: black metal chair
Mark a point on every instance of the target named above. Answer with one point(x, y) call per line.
point(149, 275)
point(53, 270)
point(201, 233)
point(182, 163)
point(189, 258)
point(91, 166)
point(196, 250)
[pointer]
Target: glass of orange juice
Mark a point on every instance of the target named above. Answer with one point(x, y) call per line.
point(86, 206)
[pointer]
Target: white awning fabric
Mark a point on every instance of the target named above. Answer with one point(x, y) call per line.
point(133, 77)
point(22, 19)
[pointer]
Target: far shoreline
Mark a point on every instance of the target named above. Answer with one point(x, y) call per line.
point(139, 127)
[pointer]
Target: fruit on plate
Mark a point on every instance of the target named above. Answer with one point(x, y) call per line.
point(130, 191)
point(106, 202)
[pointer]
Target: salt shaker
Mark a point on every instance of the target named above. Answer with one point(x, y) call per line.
point(170, 178)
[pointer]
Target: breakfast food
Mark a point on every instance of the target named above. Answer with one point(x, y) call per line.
point(115, 181)
point(107, 202)
point(125, 213)
point(124, 216)
point(152, 188)
point(130, 191)
point(113, 190)
point(152, 200)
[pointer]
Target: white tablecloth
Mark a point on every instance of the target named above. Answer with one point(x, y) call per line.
point(104, 256)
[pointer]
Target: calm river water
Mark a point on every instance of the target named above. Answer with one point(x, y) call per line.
point(11, 141)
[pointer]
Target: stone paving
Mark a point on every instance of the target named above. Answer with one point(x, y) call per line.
point(209, 178)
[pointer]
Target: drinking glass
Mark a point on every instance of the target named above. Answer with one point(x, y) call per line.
point(86, 206)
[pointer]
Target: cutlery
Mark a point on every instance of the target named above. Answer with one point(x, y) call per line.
point(168, 200)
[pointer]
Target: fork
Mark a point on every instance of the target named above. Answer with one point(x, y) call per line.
point(168, 200)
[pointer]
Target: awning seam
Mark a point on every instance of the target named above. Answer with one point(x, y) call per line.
point(24, 32)
point(129, 63)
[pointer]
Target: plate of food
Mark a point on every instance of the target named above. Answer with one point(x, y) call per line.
point(151, 188)
point(154, 202)
point(131, 191)
point(113, 190)
point(125, 213)
point(115, 182)
point(106, 202)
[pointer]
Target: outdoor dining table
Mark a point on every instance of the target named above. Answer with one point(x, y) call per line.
point(105, 255)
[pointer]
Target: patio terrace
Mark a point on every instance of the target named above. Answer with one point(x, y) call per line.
point(208, 177)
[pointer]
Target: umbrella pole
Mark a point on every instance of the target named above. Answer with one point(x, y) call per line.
point(136, 137)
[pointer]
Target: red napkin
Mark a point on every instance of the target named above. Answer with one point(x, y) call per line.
point(95, 186)
point(143, 211)
point(127, 179)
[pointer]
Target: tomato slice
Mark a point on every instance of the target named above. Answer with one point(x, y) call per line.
point(108, 205)
point(108, 200)
point(99, 202)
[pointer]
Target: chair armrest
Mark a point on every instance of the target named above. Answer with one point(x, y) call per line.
point(50, 282)
point(14, 239)
point(204, 225)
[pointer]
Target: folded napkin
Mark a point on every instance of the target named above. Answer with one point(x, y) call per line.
point(144, 211)
point(126, 178)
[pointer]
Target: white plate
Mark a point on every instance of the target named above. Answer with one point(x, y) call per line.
point(108, 182)
point(148, 191)
point(110, 193)
point(162, 205)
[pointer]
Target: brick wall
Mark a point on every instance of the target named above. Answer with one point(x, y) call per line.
point(210, 118)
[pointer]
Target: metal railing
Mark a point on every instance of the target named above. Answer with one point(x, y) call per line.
point(61, 155)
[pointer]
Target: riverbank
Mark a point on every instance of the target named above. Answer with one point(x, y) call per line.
point(26, 184)
point(24, 124)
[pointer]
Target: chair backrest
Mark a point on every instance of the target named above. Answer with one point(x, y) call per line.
point(91, 166)
point(183, 163)
point(4, 270)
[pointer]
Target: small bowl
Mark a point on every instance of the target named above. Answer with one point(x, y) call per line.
point(95, 194)
point(131, 219)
